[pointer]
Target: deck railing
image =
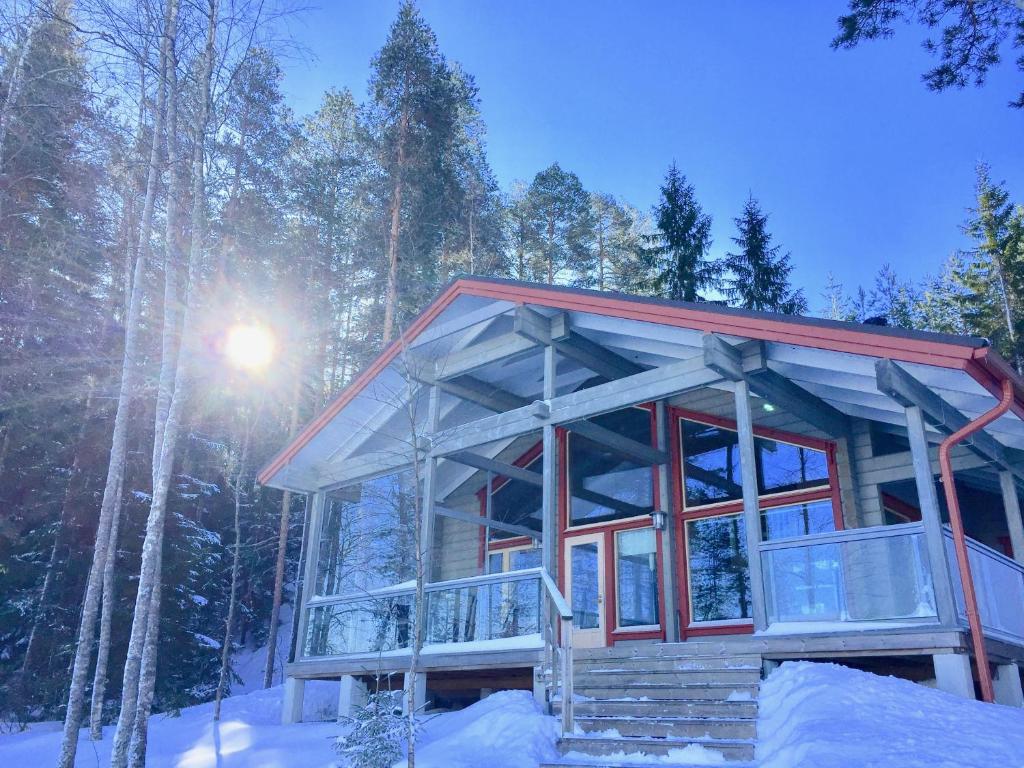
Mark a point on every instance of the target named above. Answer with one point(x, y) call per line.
point(999, 584)
point(507, 608)
point(492, 607)
point(877, 574)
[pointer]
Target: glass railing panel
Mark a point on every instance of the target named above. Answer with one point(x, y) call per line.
point(999, 585)
point(366, 625)
point(489, 611)
point(852, 576)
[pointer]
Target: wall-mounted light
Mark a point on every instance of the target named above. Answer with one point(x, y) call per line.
point(659, 519)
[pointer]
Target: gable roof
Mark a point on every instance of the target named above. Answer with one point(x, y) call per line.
point(970, 354)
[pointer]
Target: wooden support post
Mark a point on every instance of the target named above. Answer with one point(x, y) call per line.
point(670, 600)
point(429, 486)
point(311, 539)
point(942, 581)
point(1011, 504)
point(953, 674)
point(549, 464)
point(291, 711)
point(1008, 686)
point(751, 509)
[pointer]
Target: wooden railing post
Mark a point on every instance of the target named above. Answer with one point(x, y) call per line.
point(568, 725)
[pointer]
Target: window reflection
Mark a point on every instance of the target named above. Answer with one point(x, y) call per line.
point(517, 503)
point(366, 536)
point(603, 484)
point(712, 468)
point(797, 520)
point(637, 578)
point(717, 567)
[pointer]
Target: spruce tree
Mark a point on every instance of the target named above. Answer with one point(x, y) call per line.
point(992, 273)
point(759, 273)
point(678, 251)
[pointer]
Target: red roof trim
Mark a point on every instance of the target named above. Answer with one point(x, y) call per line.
point(982, 364)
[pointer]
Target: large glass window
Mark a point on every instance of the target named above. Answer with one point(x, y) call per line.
point(517, 503)
point(717, 568)
point(712, 468)
point(366, 537)
point(603, 484)
point(636, 573)
point(797, 520)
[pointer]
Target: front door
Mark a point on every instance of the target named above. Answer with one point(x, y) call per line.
point(585, 580)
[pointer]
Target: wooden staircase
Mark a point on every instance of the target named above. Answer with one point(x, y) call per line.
point(652, 699)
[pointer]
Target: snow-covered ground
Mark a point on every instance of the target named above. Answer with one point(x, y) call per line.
point(828, 716)
point(813, 715)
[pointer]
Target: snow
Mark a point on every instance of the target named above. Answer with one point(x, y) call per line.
point(528, 642)
point(834, 627)
point(505, 730)
point(692, 754)
point(829, 716)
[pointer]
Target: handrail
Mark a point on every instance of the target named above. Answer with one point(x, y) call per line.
point(564, 611)
point(560, 603)
point(847, 534)
point(409, 588)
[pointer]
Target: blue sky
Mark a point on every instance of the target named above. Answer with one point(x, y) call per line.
point(856, 161)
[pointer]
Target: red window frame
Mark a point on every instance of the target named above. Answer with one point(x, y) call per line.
point(683, 515)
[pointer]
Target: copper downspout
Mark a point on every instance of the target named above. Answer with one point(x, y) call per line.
point(960, 540)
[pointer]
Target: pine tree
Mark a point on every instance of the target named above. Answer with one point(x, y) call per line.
point(678, 251)
point(561, 218)
point(414, 123)
point(759, 275)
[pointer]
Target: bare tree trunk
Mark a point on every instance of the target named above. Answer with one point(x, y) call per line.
point(165, 388)
point(99, 680)
point(90, 607)
point(145, 617)
point(225, 651)
point(391, 293)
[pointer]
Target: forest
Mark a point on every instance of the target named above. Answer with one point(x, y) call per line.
point(157, 191)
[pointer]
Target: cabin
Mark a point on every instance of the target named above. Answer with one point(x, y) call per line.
point(635, 508)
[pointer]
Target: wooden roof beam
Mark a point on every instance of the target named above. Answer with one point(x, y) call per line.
point(556, 331)
point(899, 384)
point(764, 382)
point(502, 468)
point(487, 395)
point(469, 517)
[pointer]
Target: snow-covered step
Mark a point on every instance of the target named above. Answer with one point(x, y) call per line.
point(739, 749)
point(651, 663)
point(631, 677)
point(670, 727)
point(610, 690)
point(666, 707)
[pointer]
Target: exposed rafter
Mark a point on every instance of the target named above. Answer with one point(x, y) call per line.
point(506, 347)
point(477, 461)
point(482, 393)
point(899, 384)
point(555, 331)
point(469, 517)
point(624, 446)
point(752, 367)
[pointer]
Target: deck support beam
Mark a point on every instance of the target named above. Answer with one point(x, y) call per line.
point(1007, 685)
point(294, 690)
point(931, 518)
point(1014, 524)
point(953, 674)
point(351, 695)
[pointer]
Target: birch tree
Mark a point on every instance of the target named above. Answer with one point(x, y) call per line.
point(111, 493)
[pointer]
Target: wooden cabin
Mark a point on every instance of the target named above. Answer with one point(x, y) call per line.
point(625, 499)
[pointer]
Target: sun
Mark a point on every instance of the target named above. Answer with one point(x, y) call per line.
point(250, 347)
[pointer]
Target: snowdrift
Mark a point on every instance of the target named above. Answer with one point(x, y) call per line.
point(828, 716)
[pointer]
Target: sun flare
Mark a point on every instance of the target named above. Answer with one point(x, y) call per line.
point(250, 347)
